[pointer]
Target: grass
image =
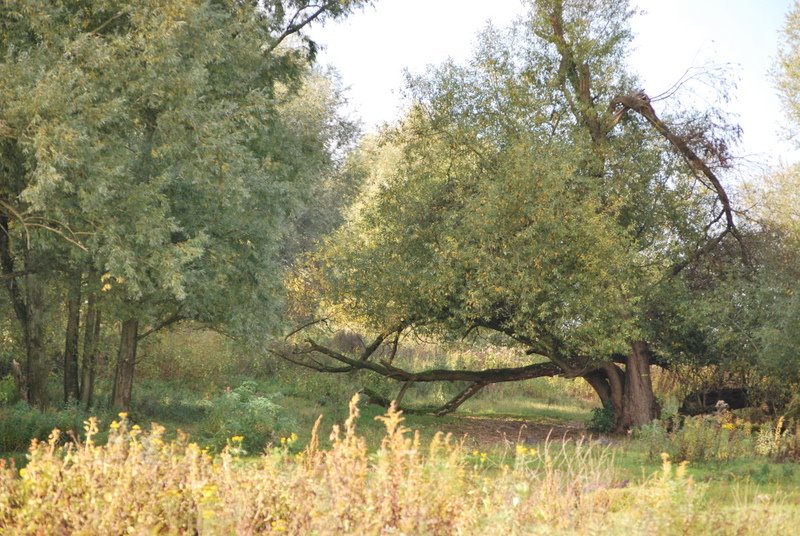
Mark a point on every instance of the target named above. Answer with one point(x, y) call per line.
point(140, 482)
point(505, 468)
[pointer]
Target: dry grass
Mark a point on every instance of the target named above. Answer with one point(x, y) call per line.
point(140, 484)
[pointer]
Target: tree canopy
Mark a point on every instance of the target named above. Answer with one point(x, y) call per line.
point(534, 192)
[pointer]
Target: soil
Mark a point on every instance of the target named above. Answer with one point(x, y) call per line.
point(493, 431)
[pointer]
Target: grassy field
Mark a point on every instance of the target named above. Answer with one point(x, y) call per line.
point(248, 455)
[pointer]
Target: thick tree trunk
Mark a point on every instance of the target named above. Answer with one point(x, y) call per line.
point(608, 382)
point(639, 406)
point(37, 369)
point(71, 387)
point(599, 382)
point(126, 360)
point(91, 339)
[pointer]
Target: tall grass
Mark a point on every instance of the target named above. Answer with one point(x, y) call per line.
point(139, 483)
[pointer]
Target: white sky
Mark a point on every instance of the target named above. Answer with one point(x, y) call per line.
point(371, 49)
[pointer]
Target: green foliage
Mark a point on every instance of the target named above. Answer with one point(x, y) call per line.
point(8, 390)
point(602, 420)
point(244, 412)
point(20, 423)
point(496, 204)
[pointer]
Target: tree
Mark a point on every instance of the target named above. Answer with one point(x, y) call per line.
point(535, 193)
point(147, 136)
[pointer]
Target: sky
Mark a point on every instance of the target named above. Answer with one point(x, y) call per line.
point(372, 49)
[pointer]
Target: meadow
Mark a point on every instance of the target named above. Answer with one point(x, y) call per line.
point(288, 451)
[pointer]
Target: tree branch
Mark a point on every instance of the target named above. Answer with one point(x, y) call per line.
point(495, 375)
point(640, 103)
point(175, 318)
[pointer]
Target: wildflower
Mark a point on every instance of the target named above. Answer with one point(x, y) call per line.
point(681, 472)
point(114, 425)
point(237, 439)
point(729, 426)
point(208, 491)
point(123, 415)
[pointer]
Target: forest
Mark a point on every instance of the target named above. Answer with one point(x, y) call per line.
point(543, 301)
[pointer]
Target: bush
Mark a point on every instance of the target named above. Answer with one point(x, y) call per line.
point(8, 390)
point(243, 412)
point(21, 423)
point(602, 420)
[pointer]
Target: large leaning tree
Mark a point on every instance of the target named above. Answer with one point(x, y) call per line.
point(153, 152)
point(534, 193)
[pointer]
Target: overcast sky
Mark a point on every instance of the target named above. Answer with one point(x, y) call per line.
point(372, 48)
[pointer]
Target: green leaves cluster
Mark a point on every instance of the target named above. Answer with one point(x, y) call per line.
point(495, 205)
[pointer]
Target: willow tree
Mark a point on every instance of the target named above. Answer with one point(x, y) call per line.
point(533, 192)
point(158, 139)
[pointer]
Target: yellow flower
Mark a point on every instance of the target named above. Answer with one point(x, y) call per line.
point(114, 425)
point(23, 472)
point(136, 427)
point(729, 426)
point(237, 439)
point(123, 415)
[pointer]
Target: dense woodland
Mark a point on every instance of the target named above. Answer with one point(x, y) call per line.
point(175, 165)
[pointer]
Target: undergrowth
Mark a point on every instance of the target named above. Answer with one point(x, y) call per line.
point(140, 483)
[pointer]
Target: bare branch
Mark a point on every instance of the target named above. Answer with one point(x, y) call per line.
point(296, 25)
point(175, 318)
point(640, 103)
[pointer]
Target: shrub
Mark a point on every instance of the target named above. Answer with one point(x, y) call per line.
point(21, 423)
point(8, 390)
point(244, 412)
point(602, 420)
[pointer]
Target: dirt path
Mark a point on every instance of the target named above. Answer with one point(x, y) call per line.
point(493, 431)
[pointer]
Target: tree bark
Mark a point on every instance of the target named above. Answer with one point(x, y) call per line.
point(91, 339)
point(639, 405)
point(19, 380)
point(608, 382)
point(71, 386)
point(37, 368)
point(126, 361)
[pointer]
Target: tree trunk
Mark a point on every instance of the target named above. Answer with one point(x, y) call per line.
point(91, 339)
point(608, 381)
point(71, 387)
point(639, 405)
point(19, 380)
point(126, 360)
point(37, 369)
point(17, 302)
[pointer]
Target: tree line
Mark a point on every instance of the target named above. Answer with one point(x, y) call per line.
point(183, 161)
point(157, 158)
